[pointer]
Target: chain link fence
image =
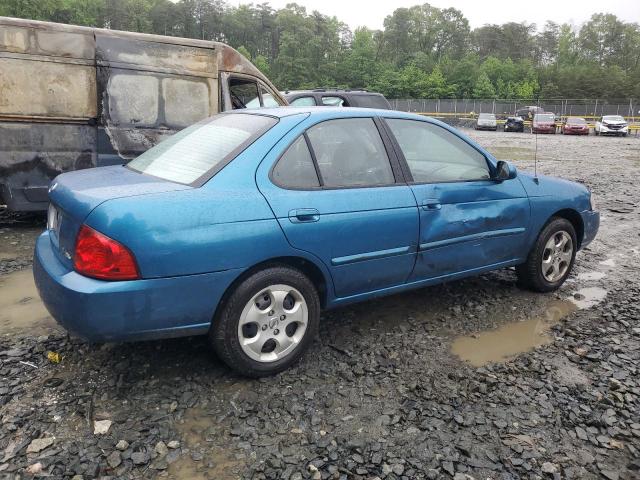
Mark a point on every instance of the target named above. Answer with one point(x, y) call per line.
point(588, 108)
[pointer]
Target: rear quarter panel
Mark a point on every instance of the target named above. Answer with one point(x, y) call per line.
point(225, 224)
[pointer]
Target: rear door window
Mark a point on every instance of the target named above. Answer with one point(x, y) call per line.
point(371, 101)
point(192, 155)
point(303, 102)
point(333, 101)
point(295, 168)
point(350, 152)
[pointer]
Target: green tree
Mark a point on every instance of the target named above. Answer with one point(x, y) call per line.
point(483, 88)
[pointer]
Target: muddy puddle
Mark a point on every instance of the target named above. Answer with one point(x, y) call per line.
point(588, 297)
point(20, 307)
point(589, 276)
point(199, 429)
point(512, 338)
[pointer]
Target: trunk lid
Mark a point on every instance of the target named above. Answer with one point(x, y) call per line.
point(74, 195)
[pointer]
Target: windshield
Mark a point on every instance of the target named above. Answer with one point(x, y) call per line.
point(547, 117)
point(576, 121)
point(208, 145)
point(487, 116)
point(613, 118)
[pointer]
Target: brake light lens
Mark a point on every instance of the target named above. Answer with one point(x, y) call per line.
point(101, 257)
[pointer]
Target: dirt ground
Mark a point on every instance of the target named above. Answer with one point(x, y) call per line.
point(475, 379)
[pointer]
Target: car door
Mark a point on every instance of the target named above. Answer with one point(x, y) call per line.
point(338, 193)
point(468, 220)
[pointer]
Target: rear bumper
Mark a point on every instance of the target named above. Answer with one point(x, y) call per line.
point(131, 310)
point(591, 222)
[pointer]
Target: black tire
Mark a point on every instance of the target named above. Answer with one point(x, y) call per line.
point(224, 329)
point(530, 273)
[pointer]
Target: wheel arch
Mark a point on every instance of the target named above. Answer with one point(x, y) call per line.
point(319, 279)
point(574, 218)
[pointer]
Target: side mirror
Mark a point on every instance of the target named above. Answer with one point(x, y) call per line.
point(505, 171)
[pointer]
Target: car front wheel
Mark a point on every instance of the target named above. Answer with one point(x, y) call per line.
point(267, 322)
point(551, 259)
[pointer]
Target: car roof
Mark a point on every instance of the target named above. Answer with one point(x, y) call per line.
point(328, 112)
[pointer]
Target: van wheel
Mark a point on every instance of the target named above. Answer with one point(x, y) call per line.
point(267, 323)
point(551, 259)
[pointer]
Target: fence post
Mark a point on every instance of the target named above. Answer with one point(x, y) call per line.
point(455, 107)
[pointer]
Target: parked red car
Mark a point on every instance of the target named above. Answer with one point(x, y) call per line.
point(543, 123)
point(575, 126)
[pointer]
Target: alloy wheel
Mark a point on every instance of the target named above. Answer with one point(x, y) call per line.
point(273, 323)
point(557, 256)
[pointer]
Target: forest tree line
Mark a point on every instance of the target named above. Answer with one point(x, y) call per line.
point(421, 52)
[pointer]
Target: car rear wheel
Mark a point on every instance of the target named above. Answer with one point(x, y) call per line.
point(267, 322)
point(551, 259)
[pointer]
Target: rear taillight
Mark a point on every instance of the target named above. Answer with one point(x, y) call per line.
point(101, 257)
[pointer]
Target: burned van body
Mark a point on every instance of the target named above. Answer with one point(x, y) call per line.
point(77, 97)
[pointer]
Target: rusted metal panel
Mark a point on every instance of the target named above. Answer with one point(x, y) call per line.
point(76, 97)
point(14, 39)
point(145, 55)
point(201, 100)
point(47, 89)
point(230, 60)
point(139, 109)
point(32, 154)
point(39, 38)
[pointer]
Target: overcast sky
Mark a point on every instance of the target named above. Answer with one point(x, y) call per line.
point(371, 13)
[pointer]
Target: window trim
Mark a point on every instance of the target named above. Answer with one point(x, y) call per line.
point(262, 85)
point(396, 167)
point(230, 157)
point(405, 165)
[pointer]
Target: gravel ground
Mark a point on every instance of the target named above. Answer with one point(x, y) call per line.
point(380, 394)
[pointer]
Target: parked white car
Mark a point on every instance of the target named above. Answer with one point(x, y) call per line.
point(612, 125)
point(487, 121)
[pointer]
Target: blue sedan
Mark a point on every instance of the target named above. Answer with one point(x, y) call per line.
point(245, 225)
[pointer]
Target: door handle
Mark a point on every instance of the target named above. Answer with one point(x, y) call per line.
point(304, 215)
point(431, 204)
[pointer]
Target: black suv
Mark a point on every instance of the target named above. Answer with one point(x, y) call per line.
point(334, 97)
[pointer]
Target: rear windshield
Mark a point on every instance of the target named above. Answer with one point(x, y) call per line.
point(576, 121)
point(547, 117)
point(371, 101)
point(487, 116)
point(188, 156)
